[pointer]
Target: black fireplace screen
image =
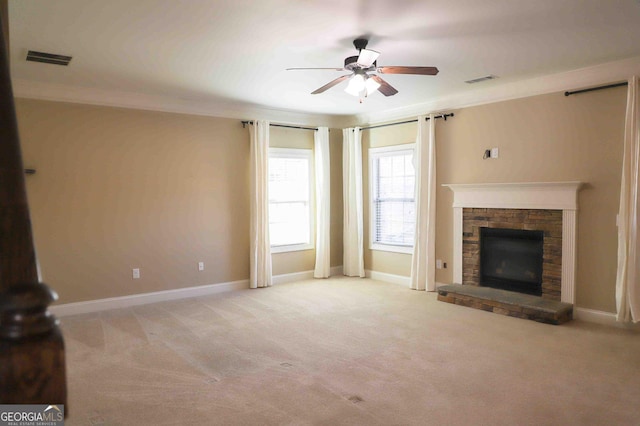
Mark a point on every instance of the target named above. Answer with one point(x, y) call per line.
point(511, 259)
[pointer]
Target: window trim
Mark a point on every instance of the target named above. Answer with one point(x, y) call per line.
point(306, 153)
point(375, 153)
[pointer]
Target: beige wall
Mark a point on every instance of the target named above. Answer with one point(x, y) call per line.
point(117, 189)
point(542, 138)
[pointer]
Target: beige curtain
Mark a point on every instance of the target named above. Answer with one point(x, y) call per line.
point(323, 206)
point(260, 245)
point(628, 277)
point(353, 237)
point(423, 262)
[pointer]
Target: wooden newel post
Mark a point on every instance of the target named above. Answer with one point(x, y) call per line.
point(32, 362)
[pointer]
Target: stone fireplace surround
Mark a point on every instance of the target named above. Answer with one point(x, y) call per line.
point(548, 221)
point(543, 196)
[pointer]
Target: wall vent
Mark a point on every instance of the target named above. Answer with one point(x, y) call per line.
point(48, 58)
point(479, 79)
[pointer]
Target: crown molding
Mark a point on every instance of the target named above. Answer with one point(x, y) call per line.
point(570, 80)
point(121, 99)
point(601, 74)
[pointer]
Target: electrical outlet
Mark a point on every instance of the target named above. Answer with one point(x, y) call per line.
point(438, 263)
point(136, 273)
point(200, 266)
point(494, 152)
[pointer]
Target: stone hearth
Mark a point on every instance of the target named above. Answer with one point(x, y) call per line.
point(507, 303)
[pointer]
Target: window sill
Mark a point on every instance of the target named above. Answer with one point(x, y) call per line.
point(294, 247)
point(391, 248)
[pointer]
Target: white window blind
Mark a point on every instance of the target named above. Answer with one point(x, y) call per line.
point(392, 198)
point(290, 219)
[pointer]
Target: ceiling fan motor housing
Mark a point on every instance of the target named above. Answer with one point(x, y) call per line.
point(351, 64)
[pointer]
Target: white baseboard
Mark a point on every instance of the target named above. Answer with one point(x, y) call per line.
point(98, 305)
point(392, 278)
point(76, 308)
point(389, 278)
point(289, 278)
point(304, 275)
point(601, 317)
point(145, 298)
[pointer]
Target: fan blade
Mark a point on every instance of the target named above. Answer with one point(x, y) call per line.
point(304, 69)
point(367, 57)
point(385, 88)
point(330, 84)
point(408, 70)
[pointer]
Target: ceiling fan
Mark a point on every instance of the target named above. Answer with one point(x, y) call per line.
point(361, 82)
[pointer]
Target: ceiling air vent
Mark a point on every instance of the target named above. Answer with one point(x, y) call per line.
point(485, 78)
point(48, 58)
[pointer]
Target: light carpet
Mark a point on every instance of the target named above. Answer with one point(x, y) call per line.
point(344, 351)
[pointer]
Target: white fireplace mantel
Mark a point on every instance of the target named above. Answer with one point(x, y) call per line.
point(527, 195)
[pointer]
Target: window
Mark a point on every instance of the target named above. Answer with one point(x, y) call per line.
point(392, 182)
point(290, 212)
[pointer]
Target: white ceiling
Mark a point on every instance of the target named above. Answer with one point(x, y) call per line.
point(234, 53)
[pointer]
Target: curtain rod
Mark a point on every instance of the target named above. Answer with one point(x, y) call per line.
point(591, 89)
point(409, 121)
point(244, 123)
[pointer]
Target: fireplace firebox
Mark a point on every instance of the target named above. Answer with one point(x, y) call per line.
point(511, 259)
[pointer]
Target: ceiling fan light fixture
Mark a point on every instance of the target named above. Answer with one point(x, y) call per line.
point(371, 85)
point(356, 85)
